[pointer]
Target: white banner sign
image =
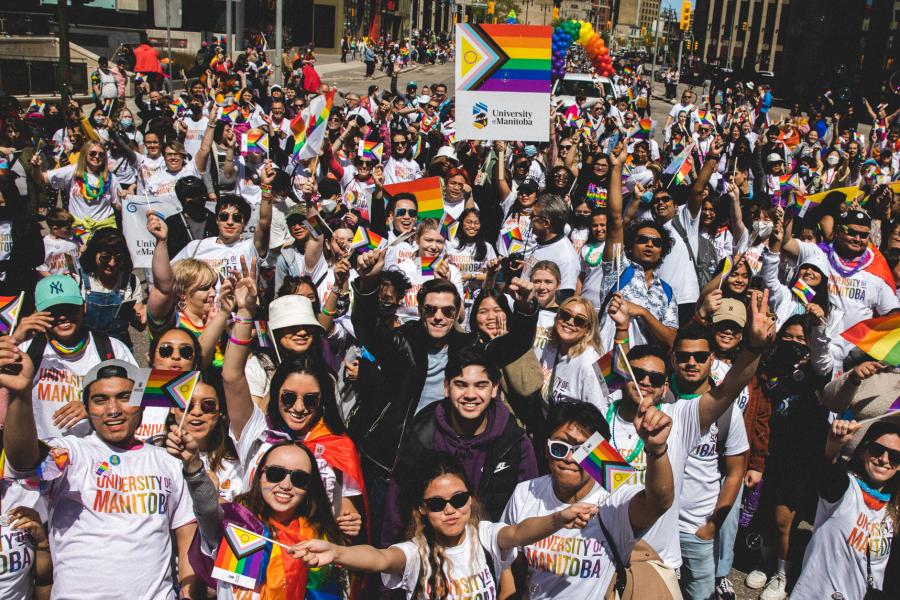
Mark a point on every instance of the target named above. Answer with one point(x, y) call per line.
point(134, 224)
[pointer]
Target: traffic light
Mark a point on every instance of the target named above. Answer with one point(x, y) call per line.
point(555, 13)
point(643, 31)
point(744, 25)
point(490, 8)
point(685, 15)
point(458, 14)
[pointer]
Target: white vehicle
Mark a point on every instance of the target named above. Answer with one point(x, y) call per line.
point(593, 88)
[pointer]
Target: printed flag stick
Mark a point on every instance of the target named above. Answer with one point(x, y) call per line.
point(633, 378)
point(184, 415)
point(617, 262)
point(15, 313)
point(726, 269)
point(276, 542)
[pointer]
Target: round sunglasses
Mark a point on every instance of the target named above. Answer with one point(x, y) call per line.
point(185, 351)
point(298, 477)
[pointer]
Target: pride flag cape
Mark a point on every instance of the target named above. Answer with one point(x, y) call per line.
point(603, 462)
point(803, 291)
point(10, 307)
point(428, 193)
point(879, 337)
point(255, 141)
point(157, 387)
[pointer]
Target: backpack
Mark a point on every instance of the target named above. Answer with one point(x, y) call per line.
point(706, 260)
point(644, 578)
point(626, 276)
point(102, 344)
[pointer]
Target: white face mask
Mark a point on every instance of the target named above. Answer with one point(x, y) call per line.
point(762, 229)
point(832, 160)
point(327, 205)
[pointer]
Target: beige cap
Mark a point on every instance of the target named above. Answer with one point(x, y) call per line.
point(731, 310)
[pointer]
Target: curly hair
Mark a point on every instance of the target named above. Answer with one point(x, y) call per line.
point(631, 234)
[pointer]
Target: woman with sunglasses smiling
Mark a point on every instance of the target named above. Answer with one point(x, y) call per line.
point(285, 501)
point(301, 407)
point(469, 252)
point(569, 360)
point(430, 245)
point(452, 553)
point(401, 167)
point(114, 298)
point(92, 190)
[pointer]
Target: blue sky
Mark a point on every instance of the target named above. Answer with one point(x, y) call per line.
point(676, 4)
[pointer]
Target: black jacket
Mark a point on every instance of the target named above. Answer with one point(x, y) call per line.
point(180, 234)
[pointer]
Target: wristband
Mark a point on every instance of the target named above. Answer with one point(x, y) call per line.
point(335, 290)
point(659, 454)
point(192, 473)
point(242, 320)
point(238, 342)
point(328, 313)
point(266, 188)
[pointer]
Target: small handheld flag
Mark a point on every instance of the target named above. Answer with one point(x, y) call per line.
point(726, 269)
point(449, 227)
point(428, 193)
point(878, 337)
point(255, 141)
point(316, 226)
point(603, 462)
point(428, 265)
point(10, 307)
point(228, 113)
point(511, 237)
point(241, 558)
point(158, 387)
point(264, 334)
point(370, 150)
point(365, 240)
point(643, 130)
point(803, 291)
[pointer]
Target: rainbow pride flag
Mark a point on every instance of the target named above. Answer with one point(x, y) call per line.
point(428, 193)
point(505, 58)
point(879, 337)
point(264, 334)
point(309, 143)
point(316, 226)
point(705, 117)
point(511, 237)
point(370, 150)
point(603, 462)
point(645, 126)
point(158, 387)
point(255, 141)
point(803, 291)
point(242, 558)
point(789, 182)
point(365, 240)
point(10, 307)
point(178, 106)
point(802, 203)
point(35, 106)
point(229, 112)
point(428, 264)
point(596, 195)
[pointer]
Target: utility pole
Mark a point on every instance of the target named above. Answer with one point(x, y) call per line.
point(171, 78)
point(655, 53)
point(279, 34)
point(229, 28)
point(63, 73)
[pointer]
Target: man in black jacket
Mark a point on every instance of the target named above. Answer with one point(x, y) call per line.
point(195, 221)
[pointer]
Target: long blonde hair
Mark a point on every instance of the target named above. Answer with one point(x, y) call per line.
point(81, 166)
point(591, 337)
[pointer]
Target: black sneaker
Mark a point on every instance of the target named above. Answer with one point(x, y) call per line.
point(724, 590)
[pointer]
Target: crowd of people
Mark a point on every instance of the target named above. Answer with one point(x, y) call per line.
point(393, 403)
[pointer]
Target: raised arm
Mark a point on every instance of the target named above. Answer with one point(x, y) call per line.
point(503, 187)
point(533, 529)
point(615, 232)
point(38, 174)
point(202, 157)
point(695, 195)
point(204, 497)
point(237, 390)
point(736, 221)
point(653, 426)
point(162, 293)
point(317, 553)
point(20, 439)
point(716, 401)
point(264, 226)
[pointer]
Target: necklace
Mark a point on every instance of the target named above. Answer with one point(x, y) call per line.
point(638, 448)
point(593, 262)
point(64, 350)
point(874, 499)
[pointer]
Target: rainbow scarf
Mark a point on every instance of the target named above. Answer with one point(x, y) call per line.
point(64, 350)
point(88, 191)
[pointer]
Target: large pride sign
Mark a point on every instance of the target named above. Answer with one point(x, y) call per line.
point(503, 82)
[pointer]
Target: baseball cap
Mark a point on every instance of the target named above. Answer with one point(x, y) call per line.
point(774, 158)
point(292, 311)
point(412, 84)
point(55, 290)
point(855, 217)
point(296, 213)
point(731, 310)
point(529, 186)
point(110, 368)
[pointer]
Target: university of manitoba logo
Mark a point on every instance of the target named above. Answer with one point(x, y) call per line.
point(480, 112)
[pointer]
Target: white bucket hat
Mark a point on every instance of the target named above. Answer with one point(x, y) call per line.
point(292, 311)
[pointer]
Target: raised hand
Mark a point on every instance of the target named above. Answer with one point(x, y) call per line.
point(762, 327)
point(866, 370)
point(38, 322)
point(315, 553)
point(370, 264)
point(245, 288)
point(521, 289)
point(653, 426)
point(157, 227)
point(182, 446)
point(226, 296)
point(576, 516)
point(267, 173)
point(619, 311)
point(840, 433)
point(16, 369)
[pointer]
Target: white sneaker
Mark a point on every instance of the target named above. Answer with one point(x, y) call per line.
point(776, 589)
point(756, 580)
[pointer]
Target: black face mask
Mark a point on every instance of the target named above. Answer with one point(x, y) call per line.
point(785, 367)
point(581, 221)
point(387, 309)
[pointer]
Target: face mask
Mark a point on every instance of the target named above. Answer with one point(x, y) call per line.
point(762, 229)
point(832, 160)
point(647, 197)
point(386, 309)
point(581, 221)
point(327, 205)
point(126, 123)
point(804, 170)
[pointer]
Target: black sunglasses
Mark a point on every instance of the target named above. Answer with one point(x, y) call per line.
point(311, 401)
point(855, 233)
point(560, 450)
point(656, 242)
point(106, 257)
point(438, 504)
point(399, 142)
point(185, 351)
point(299, 478)
point(447, 311)
point(235, 217)
point(877, 450)
point(208, 406)
point(402, 212)
point(656, 378)
point(683, 357)
point(565, 316)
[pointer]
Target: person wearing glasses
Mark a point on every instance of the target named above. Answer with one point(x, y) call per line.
point(92, 190)
point(400, 167)
point(453, 553)
point(549, 218)
point(625, 513)
point(642, 248)
point(177, 163)
point(113, 296)
point(860, 284)
point(471, 424)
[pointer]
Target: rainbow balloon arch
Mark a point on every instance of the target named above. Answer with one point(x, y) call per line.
point(566, 33)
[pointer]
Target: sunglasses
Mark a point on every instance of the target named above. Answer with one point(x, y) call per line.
point(364, 163)
point(402, 212)
point(855, 233)
point(185, 351)
point(106, 257)
point(565, 316)
point(311, 401)
point(654, 241)
point(662, 199)
point(683, 357)
point(656, 378)
point(560, 450)
point(566, 147)
point(876, 450)
point(235, 217)
point(208, 406)
point(447, 311)
point(299, 478)
point(438, 504)
point(96, 154)
point(399, 142)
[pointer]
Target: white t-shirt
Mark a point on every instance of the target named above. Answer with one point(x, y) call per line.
point(679, 107)
point(79, 205)
point(563, 254)
point(17, 546)
point(546, 320)
point(147, 169)
point(574, 378)
point(127, 514)
point(6, 243)
point(223, 258)
point(252, 445)
point(356, 194)
point(468, 575)
point(401, 170)
point(718, 372)
point(592, 276)
point(572, 563)
point(400, 251)
point(162, 181)
point(685, 435)
point(193, 135)
point(701, 474)
point(835, 559)
point(409, 305)
point(57, 381)
point(677, 269)
point(60, 256)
